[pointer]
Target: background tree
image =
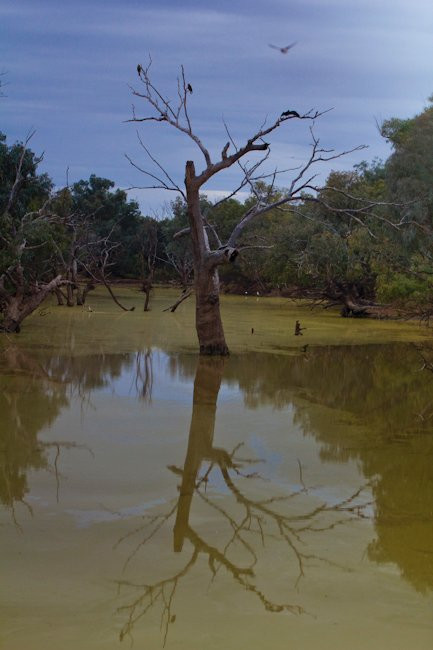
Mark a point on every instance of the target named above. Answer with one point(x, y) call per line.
point(147, 238)
point(409, 179)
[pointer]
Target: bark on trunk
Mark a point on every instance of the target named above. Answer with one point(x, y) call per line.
point(70, 292)
point(206, 281)
point(146, 300)
point(208, 322)
point(147, 287)
point(82, 293)
point(59, 297)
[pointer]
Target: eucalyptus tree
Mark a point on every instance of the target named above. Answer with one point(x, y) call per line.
point(209, 250)
point(409, 179)
point(331, 260)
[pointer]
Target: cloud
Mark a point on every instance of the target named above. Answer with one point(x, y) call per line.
point(69, 65)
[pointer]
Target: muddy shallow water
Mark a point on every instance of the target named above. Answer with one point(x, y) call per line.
point(279, 498)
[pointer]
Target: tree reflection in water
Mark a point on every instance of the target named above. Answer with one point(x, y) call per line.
point(33, 393)
point(30, 399)
point(372, 404)
point(252, 523)
point(32, 396)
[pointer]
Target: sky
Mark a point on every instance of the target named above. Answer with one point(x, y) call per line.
point(69, 68)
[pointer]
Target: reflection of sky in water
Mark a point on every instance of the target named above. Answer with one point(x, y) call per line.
point(170, 386)
point(271, 460)
point(86, 518)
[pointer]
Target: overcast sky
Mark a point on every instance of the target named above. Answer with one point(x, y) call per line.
point(69, 67)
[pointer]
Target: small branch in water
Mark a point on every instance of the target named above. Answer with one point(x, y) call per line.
point(183, 297)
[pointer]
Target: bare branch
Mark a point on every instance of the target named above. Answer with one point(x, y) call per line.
point(165, 113)
point(161, 183)
point(178, 302)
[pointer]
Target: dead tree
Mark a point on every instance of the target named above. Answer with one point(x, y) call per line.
point(181, 262)
point(98, 263)
point(148, 246)
point(208, 258)
point(74, 256)
point(86, 259)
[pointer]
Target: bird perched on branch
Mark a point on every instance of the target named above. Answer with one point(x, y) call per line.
point(290, 113)
point(189, 88)
point(139, 69)
point(283, 50)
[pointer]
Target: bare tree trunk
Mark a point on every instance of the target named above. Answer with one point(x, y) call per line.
point(208, 322)
point(147, 288)
point(20, 306)
point(59, 296)
point(146, 298)
point(110, 291)
point(70, 291)
point(82, 293)
point(81, 297)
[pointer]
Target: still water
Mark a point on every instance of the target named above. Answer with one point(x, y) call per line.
point(281, 498)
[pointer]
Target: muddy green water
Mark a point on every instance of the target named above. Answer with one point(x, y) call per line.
point(282, 498)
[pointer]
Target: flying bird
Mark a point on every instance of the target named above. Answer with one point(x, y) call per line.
point(290, 113)
point(189, 88)
point(283, 50)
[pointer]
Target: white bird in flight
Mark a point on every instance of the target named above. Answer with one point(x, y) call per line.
point(283, 50)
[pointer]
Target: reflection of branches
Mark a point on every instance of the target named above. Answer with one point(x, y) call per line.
point(58, 446)
point(261, 520)
point(155, 522)
point(13, 478)
point(160, 591)
point(144, 375)
point(21, 450)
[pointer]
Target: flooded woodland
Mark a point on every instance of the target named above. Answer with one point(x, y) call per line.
point(280, 497)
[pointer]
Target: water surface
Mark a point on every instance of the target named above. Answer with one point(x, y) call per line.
point(280, 498)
